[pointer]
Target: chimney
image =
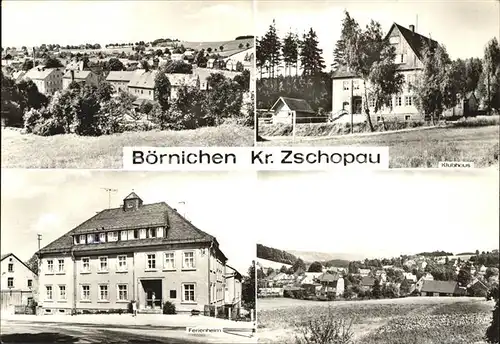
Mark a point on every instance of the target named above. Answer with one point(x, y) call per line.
point(412, 28)
point(72, 75)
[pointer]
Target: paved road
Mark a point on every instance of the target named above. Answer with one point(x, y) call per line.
point(41, 333)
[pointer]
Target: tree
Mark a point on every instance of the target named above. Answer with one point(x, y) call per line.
point(261, 56)
point(162, 89)
point(104, 91)
point(376, 289)
point(405, 287)
point(27, 65)
point(33, 263)
point(243, 80)
point(52, 62)
point(290, 51)
point(349, 26)
point(371, 57)
point(114, 65)
point(464, 277)
point(283, 269)
point(299, 264)
point(315, 267)
point(179, 67)
point(271, 48)
point(30, 97)
point(490, 78)
point(492, 333)
point(200, 59)
point(224, 98)
point(310, 55)
point(248, 288)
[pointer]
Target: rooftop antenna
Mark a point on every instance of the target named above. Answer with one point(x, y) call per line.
point(109, 191)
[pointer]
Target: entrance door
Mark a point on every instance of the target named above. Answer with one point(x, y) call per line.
point(356, 105)
point(152, 293)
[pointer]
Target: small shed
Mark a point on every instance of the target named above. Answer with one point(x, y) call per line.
point(466, 107)
point(286, 109)
point(439, 288)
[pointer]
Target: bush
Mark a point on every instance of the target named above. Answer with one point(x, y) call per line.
point(130, 307)
point(48, 127)
point(325, 329)
point(169, 308)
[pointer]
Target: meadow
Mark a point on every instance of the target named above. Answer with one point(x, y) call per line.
point(413, 320)
point(72, 151)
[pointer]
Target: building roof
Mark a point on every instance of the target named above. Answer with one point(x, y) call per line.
point(132, 195)
point(179, 230)
point(294, 104)
point(416, 41)
point(124, 76)
point(39, 73)
point(204, 73)
point(367, 281)
point(182, 79)
point(79, 74)
point(447, 287)
point(6, 255)
point(143, 80)
point(327, 277)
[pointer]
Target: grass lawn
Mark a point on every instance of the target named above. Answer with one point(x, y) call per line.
point(419, 148)
point(72, 151)
point(415, 320)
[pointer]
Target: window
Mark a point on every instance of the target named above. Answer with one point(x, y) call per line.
point(188, 261)
point(355, 85)
point(85, 264)
point(82, 239)
point(346, 85)
point(169, 260)
point(136, 234)
point(402, 58)
point(90, 238)
point(48, 290)
point(103, 292)
point(188, 292)
point(122, 263)
point(123, 235)
point(151, 232)
point(60, 265)
point(173, 294)
point(408, 101)
point(151, 261)
point(62, 292)
point(102, 237)
point(85, 293)
point(122, 292)
point(50, 265)
point(389, 103)
point(103, 263)
point(11, 267)
point(379, 118)
point(113, 236)
point(10, 282)
point(407, 118)
point(371, 102)
point(30, 283)
point(398, 100)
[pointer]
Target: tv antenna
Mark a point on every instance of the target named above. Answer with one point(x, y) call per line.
point(109, 191)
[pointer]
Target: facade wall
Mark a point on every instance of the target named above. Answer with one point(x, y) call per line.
point(142, 93)
point(405, 56)
point(17, 274)
point(283, 114)
point(119, 86)
point(56, 279)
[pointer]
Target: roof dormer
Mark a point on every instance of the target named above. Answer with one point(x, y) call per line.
point(132, 202)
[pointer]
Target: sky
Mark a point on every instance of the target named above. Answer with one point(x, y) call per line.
point(75, 22)
point(381, 214)
point(463, 27)
point(52, 202)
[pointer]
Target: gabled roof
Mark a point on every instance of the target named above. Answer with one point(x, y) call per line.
point(447, 287)
point(124, 76)
point(132, 195)
point(416, 41)
point(327, 277)
point(182, 79)
point(6, 255)
point(143, 80)
point(78, 74)
point(367, 281)
point(39, 73)
point(179, 230)
point(294, 104)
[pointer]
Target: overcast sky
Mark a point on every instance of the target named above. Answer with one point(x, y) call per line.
point(52, 202)
point(463, 27)
point(381, 214)
point(75, 22)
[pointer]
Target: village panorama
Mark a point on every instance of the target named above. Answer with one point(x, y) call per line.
point(102, 96)
point(428, 297)
point(383, 82)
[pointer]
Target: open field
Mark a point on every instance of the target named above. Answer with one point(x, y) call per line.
point(415, 320)
point(72, 151)
point(418, 148)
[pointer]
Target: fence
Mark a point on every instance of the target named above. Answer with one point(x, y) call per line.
point(9, 299)
point(224, 312)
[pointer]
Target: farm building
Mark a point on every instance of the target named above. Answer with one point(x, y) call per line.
point(17, 284)
point(285, 110)
point(120, 79)
point(367, 283)
point(47, 80)
point(348, 88)
point(426, 277)
point(478, 288)
point(331, 284)
point(410, 277)
point(440, 288)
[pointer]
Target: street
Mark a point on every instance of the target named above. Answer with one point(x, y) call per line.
point(32, 332)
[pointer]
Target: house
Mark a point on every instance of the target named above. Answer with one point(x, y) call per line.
point(310, 277)
point(204, 73)
point(364, 272)
point(179, 80)
point(142, 84)
point(348, 89)
point(466, 106)
point(410, 277)
point(439, 288)
point(367, 283)
point(382, 275)
point(143, 252)
point(478, 288)
point(420, 282)
point(232, 296)
point(286, 110)
point(120, 80)
point(18, 75)
point(17, 284)
point(331, 284)
point(85, 77)
point(177, 57)
point(47, 80)
point(211, 63)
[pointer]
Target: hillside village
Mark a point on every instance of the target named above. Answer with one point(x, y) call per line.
point(424, 274)
point(153, 82)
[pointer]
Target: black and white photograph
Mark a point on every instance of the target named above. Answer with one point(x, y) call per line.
point(126, 257)
point(87, 78)
point(386, 258)
point(421, 77)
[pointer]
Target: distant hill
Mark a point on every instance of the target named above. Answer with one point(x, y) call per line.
point(275, 255)
point(435, 254)
point(311, 256)
point(265, 263)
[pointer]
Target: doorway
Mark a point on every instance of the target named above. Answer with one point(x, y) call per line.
point(356, 105)
point(152, 293)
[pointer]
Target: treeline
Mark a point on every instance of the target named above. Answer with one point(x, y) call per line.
point(341, 263)
point(486, 259)
point(303, 75)
point(435, 254)
point(275, 255)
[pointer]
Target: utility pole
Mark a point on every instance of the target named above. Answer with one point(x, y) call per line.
point(109, 191)
point(39, 238)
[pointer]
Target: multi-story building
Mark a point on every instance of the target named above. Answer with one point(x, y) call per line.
point(143, 252)
point(142, 84)
point(17, 283)
point(120, 79)
point(47, 80)
point(85, 77)
point(349, 89)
